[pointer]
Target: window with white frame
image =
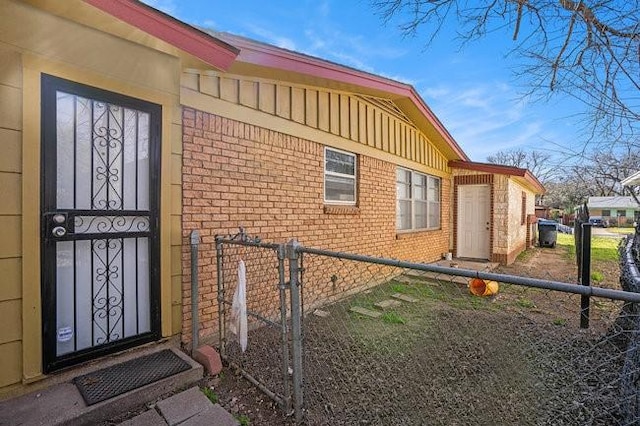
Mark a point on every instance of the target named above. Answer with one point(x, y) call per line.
point(418, 200)
point(339, 177)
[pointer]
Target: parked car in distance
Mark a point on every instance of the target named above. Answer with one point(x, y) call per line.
point(598, 221)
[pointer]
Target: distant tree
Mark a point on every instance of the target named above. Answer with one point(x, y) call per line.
point(537, 162)
point(565, 194)
point(601, 172)
point(588, 49)
point(598, 174)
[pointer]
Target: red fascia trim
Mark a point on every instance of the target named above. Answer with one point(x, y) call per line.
point(205, 47)
point(274, 57)
point(500, 170)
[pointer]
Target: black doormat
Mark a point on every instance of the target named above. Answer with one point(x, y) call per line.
point(120, 378)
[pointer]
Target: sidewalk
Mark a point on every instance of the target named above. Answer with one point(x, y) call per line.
point(187, 408)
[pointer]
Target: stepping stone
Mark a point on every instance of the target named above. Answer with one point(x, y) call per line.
point(388, 304)
point(366, 312)
point(404, 297)
point(320, 313)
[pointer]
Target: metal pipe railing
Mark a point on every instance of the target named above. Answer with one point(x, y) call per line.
point(509, 279)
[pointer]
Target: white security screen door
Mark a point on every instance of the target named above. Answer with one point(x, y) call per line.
point(99, 222)
point(474, 226)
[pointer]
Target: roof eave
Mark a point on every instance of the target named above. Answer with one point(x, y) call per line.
point(532, 182)
point(262, 54)
point(634, 179)
point(207, 48)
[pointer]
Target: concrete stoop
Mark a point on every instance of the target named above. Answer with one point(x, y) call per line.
point(62, 403)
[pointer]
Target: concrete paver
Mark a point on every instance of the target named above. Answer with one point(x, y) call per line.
point(213, 415)
point(148, 418)
point(404, 297)
point(182, 406)
point(366, 312)
point(388, 304)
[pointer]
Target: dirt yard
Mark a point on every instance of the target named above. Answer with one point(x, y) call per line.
point(453, 359)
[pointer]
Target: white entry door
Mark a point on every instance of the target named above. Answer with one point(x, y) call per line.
point(474, 221)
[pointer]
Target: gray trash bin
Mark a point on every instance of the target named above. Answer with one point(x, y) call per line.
point(547, 233)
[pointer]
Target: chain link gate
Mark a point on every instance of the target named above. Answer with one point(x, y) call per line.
point(267, 314)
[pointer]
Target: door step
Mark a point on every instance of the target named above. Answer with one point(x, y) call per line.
point(62, 404)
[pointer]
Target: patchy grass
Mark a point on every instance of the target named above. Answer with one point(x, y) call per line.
point(210, 394)
point(560, 322)
point(392, 317)
point(525, 255)
point(525, 303)
point(243, 419)
point(624, 231)
point(597, 277)
point(602, 248)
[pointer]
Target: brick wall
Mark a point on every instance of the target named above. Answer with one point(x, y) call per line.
point(509, 236)
point(236, 174)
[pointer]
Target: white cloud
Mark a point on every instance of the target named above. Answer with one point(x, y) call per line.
point(271, 37)
point(486, 118)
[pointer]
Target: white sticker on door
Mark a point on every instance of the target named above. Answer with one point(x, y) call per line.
point(65, 334)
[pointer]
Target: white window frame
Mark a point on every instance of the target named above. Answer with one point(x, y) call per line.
point(414, 177)
point(354, 177)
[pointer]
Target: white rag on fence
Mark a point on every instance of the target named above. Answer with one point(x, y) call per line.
point(238, 321)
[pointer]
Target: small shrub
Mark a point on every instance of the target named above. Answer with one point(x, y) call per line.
point(560, 322)
point(597, 277)
point(210, 394)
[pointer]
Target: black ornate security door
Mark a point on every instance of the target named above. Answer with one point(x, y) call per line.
point(100, 254)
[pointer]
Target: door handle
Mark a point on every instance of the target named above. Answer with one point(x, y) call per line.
point(59, 231)
point(58, 225)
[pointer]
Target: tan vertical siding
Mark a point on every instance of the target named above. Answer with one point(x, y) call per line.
point(10, 216)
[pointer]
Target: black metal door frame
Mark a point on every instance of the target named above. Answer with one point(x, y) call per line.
point(50, 214)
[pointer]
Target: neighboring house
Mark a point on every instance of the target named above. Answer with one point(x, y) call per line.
point(543, 212)
point(124, 129)
point(616, 210)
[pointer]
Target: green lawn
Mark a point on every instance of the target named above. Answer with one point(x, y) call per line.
point(602, 248)
point(627, 231)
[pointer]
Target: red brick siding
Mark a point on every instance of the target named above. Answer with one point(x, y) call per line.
point(236, 174)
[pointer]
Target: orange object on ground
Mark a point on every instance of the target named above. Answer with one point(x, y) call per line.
point(479, 287)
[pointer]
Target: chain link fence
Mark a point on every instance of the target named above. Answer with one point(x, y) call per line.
point(387, 342)
point(629, 324)
point(266, 360)
point(416, 348)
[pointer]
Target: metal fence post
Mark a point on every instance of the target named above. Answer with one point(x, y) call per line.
point(221, 307)
point(195, 323)
point(296, 326)
point(585, 273)
point(282, 285)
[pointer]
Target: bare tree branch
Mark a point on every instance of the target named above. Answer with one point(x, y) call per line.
point(586, 49)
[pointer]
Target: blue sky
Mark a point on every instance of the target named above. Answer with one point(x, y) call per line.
point(472, 89)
